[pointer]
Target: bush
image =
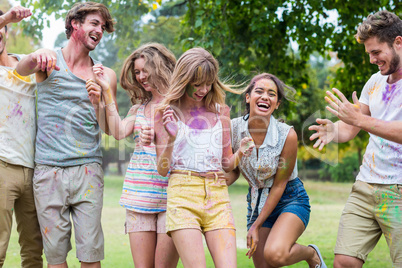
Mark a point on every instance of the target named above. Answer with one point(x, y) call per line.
point(345, 171)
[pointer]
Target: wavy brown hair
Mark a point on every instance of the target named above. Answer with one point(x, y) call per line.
point(196, 66)
point(159, 64)
point(79, 12)
point(384, 25)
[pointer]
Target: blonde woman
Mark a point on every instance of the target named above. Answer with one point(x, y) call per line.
point(145, 76)
point(192, 137)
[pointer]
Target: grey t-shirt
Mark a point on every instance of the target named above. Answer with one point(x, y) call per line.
point(68, 131)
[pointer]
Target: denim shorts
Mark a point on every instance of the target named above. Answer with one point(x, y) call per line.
point(294, 200)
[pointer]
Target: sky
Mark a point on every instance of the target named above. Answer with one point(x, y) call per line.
point(49, 34)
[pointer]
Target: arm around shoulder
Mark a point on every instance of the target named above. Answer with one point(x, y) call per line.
point(41, 62)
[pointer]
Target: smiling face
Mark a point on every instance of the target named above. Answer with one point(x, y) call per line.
point(90, 32)
point(141, 75)
point(384, 56)
point(263, 98)
point(198, 92)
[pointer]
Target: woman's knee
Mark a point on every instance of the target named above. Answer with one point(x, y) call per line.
point(276, 257)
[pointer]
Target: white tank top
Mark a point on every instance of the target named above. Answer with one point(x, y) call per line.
point(198, 150)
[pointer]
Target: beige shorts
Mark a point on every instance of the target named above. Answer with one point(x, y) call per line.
point(144, 222)
point(198, 203)
point(71, 191)
point(371, 210)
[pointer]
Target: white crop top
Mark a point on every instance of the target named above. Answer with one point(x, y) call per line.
point(198, 150)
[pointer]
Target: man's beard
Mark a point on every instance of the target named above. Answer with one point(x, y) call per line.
point(394, 65)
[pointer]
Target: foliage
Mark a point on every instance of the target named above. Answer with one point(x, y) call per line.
point(280, 36)
point(293, 39)
point(345, 171)
point(250, 36)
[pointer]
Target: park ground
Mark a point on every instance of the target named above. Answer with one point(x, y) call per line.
point(327, 201)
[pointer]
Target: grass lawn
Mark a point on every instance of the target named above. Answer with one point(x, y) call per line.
point(327, 201)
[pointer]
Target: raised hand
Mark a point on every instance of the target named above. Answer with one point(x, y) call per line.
point(16, 14)
point(347, 112)
point(246, 146)
point(169, 122)
point(325, 132)
point(100, 77)
point(94, 91)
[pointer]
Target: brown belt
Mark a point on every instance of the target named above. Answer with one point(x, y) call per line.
point(209, 175)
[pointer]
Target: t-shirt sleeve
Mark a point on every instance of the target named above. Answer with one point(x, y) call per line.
point(364, 96)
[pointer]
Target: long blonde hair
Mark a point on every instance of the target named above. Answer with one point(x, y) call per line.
point(196, 66)
point(159, 63)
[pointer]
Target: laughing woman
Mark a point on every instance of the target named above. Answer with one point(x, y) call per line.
point(145, 75)
point(278, 205)
point(193, 141)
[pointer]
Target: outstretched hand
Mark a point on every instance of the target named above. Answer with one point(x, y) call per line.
point(343, 109)
point(325, 133)
point(169, 122)
point(17, 14)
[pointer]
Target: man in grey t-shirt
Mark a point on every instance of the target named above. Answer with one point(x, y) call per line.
point(68, 177)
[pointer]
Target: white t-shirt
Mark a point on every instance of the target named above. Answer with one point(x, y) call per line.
point(382, 161)
point(17, 118)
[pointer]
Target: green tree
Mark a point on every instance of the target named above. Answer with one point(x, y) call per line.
point(280, 36)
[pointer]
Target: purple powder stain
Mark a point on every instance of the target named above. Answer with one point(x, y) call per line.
point(389, 93)
point(32, 65)
point(16, 111)
point(198, 121)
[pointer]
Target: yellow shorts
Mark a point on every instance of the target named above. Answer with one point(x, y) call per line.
point(198, 203)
